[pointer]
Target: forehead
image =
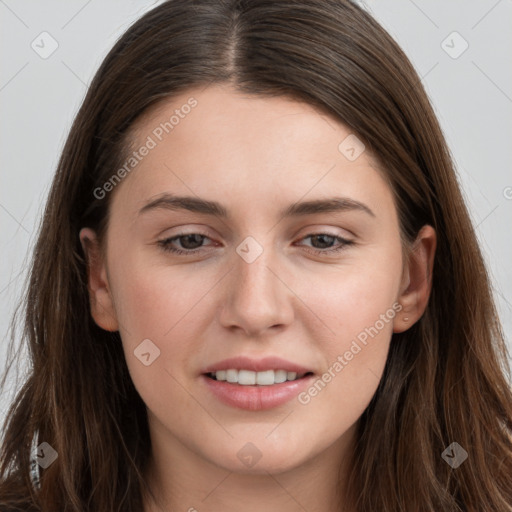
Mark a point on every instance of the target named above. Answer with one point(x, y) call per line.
point(223, 144)
point(219, 117)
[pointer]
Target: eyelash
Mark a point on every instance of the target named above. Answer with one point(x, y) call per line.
point(166, 244)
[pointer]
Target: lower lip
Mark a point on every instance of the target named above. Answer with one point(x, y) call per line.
point(256, 398)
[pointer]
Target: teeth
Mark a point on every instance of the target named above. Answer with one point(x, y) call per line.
point(221, 375)
point(250, 378)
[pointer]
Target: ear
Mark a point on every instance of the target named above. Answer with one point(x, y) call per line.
point(416, 279)
point(100, 297)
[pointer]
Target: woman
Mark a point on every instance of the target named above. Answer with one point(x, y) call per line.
point(257, 366)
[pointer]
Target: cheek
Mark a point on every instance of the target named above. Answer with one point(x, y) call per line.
point(353, 297)
point(156, 300)
point(166, 309)
point(356, 306)
point(163, 305)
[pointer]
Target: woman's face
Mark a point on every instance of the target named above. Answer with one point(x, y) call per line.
point(254, 282)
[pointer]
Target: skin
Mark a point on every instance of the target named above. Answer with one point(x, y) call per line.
point(256, 156)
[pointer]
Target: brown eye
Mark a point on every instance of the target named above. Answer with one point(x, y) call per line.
point(325, 239)
point(190, 243)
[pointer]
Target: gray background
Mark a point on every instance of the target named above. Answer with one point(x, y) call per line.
point(471, 94)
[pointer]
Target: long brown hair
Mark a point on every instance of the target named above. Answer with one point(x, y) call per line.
point(445, 378)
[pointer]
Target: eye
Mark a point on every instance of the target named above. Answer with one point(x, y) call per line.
point(191, 239)
point(191, 243)
point(327, 239)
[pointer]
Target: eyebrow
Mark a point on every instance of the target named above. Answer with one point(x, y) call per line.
point(197, 205)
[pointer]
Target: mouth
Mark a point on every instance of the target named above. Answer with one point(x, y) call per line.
point(255, 391)
point(244, 377)
point(255, 384)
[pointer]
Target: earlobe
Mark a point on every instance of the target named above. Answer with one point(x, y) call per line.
point(416, 280)
point(100, 297)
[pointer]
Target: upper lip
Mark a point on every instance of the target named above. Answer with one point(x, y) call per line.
point(256, 365)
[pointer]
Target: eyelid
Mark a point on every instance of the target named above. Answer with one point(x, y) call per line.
point(326, 229)
point(310, 230)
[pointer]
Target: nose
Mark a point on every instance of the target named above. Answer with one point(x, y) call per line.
point(257, 295)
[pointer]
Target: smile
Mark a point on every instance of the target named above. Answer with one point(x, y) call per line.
point(251, 378)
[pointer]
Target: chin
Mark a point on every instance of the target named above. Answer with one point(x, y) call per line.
point(258, 458)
